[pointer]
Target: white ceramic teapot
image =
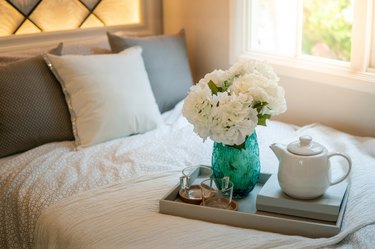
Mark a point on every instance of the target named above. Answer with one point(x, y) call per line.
point(304, 168)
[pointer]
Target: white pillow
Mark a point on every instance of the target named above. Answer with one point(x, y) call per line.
point(109, 96)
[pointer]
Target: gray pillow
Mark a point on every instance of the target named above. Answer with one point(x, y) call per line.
point(33, 110)
point(166, 63)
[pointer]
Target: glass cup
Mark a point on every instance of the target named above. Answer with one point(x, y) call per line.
point(190, 190)
point(217, 192)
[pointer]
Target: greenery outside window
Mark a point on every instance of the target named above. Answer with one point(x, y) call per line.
point(328, 37)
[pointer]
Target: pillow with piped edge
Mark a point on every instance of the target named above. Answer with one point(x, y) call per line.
point(109, 95)
point(33, 110)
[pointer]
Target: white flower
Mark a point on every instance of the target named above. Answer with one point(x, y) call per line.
point(229, 110)
point(262, 90)
point(216, 76)
point(254, 67)
point(197, 109)
point(232, 119)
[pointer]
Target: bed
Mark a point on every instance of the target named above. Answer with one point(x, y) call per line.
point(105, 194)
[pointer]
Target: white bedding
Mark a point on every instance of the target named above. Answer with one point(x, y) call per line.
point(120, 182)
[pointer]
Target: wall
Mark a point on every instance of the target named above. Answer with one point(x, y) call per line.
point(207, 25)
point(342, 108)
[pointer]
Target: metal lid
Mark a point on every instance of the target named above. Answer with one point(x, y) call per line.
point(305, 147)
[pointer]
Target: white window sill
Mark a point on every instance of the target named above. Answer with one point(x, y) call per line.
point(322, 71)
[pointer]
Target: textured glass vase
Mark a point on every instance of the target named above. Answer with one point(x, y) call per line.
point(241, 165)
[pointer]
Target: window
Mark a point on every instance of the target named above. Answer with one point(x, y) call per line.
point(316, 28)
point(325, 36)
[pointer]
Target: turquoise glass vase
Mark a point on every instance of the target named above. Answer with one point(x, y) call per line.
point(241, 165)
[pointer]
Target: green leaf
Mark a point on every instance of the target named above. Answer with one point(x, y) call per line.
point(226, 85)
point(262, 118)
point(259, 105)
point(213, 87)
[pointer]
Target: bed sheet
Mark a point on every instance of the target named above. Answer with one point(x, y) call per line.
point(41, 179)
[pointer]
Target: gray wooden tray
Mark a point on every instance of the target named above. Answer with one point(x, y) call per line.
point(248, 217)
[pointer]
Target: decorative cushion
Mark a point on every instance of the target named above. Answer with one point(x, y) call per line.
point(166, 63)
point(33, 110)
point(109, 96)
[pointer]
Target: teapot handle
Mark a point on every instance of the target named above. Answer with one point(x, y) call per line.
point(349, 166)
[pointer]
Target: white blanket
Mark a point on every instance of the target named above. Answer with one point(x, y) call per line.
point(82, 208)
point(126, 214)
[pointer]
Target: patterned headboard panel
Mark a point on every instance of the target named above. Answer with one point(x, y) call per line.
point(35, 16)
point(34, 24)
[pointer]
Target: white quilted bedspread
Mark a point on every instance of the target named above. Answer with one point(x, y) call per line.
point(106, 196)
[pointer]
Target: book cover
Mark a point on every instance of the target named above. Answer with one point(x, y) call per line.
point(327, 207)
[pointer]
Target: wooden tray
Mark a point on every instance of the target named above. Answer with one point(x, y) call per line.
point(248, 217)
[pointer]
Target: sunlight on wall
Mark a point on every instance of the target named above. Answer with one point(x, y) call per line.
point(35, 16)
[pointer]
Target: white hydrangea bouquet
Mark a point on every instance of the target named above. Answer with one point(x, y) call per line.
point(227, 105)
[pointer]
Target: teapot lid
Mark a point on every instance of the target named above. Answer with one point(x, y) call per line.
point(305, 147)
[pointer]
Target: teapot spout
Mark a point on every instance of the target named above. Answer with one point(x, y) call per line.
point(279, 150)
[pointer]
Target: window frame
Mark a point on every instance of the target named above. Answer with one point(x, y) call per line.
point(353, 75)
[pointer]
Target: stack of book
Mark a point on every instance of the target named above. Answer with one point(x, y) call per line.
point(327, 207)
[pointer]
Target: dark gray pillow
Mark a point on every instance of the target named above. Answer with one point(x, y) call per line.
point(33, 110)
point(166, 63)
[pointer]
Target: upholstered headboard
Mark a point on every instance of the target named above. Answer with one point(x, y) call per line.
point(36, 105)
